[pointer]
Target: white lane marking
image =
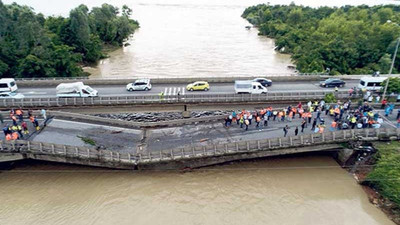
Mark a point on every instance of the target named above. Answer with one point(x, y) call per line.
point(165, 91)
point(34, 93)
point(183, 91)
point(174, 92)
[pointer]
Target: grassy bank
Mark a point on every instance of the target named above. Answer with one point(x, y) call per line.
point(385, 177)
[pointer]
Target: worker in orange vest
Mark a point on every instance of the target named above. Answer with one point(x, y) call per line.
point(337, 112)
point(321, 129)
point(19, 114)
point(15, 136)
point(8, 137)
point(333, 125)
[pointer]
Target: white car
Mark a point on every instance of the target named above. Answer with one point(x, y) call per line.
point(139, 85)
point(11, 95)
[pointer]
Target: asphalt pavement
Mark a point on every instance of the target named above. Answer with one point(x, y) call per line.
point(173, 89)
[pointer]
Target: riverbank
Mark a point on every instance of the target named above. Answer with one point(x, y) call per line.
point(379, 176)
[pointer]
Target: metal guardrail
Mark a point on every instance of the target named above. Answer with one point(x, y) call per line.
point(51, 78)
point(156, 99)
point(266, 144)
point(87, 153)
point(192, 152)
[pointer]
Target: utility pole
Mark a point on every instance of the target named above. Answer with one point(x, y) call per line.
point(391, 68)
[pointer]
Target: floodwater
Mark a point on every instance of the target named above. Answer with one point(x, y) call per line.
point(190, 38)
point(304, 190)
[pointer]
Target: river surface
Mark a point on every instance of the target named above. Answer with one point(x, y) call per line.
point(306, 190)
point(190, 38)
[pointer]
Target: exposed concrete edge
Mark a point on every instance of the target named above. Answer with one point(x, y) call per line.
point(83, 161)
point(10, 157)
point(213, 160)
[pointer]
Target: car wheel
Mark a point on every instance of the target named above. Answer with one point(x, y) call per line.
point(130, 89)
point(146, 89)
point(205, 89)
point(191, 89)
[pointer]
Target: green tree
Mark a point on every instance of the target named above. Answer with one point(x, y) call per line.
point(79, 28)
point(394, 85)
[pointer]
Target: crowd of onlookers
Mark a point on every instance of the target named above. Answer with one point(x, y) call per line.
point(312, 115)
point(19, 126)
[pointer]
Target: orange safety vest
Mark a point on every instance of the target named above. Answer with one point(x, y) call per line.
point(258, 119)
point(309, 115)
point(291, 114)
point(337, 110)
point(15, 136)
point(32, 119)
point(18, 112)
point(333, 124)
point(8, 137)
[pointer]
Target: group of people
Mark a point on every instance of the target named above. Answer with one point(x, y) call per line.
point(311, 116)
point(19, 127)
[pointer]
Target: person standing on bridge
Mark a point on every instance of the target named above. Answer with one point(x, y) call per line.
point(246, 122)
point(43, 112)
point(303, 125)
point(25, 127)
point(20, 114)
point(296, 131)
point(314, 124)
point(161, 95)
point(285, 130)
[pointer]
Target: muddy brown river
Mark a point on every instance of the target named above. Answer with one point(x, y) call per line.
point(302, 190)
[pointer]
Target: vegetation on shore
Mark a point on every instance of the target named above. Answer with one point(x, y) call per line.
point(347, 40)
point(32, 45)
point(385, 176)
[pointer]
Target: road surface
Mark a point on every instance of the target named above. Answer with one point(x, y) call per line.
point(173, 89)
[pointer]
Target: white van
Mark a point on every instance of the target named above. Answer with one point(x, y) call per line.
point(250, 87)
point(8, 85)
point(371, 83)
point(75, 90)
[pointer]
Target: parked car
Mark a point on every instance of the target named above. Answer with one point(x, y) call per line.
point(139, 85)
point(264, 82)
point(8, 85)
point(331, 82)
point(198, 86)
point(11, 95)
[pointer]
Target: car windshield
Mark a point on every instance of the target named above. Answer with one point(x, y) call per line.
point(89, 89)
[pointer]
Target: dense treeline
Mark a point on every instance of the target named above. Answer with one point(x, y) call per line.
point(32, 45)
point(347, 40)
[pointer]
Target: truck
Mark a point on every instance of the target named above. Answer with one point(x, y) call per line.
point(249, 87)
point(75, 90)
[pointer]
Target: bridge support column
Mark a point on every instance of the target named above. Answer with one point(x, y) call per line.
point(185, 113)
